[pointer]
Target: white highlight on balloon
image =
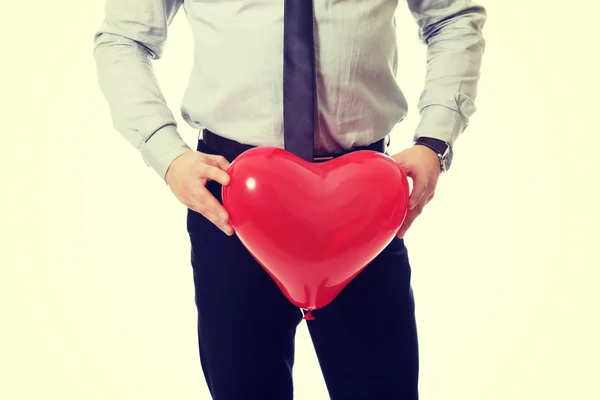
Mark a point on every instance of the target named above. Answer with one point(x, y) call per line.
point(251, 183)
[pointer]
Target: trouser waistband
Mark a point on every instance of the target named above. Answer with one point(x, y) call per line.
point(232, 149)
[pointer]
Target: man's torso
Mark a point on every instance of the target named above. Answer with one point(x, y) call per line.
point(235, 87)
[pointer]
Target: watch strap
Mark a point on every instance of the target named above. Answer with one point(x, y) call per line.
point(441, 148)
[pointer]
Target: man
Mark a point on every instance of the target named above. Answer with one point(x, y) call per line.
point(237, 96)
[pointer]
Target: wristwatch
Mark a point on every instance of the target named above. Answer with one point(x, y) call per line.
point(441, 148)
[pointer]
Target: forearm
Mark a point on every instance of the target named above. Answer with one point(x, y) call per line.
point(123, 52)
point(455, 47)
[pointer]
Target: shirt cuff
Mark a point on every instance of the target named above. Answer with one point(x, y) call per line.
point(164, 146)
point(440, 122)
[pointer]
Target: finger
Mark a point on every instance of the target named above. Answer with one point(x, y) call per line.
point(215, 174)
point(219, 161)
point(225, 227)
point(408, 221)
point(431, 196)
point(212, 217)
point(201, 209)
point(419, 190)
point(208, 205)
point(208, 201)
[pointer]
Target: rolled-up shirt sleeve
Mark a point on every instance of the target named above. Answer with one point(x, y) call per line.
point(452, 30)
point(131, 36)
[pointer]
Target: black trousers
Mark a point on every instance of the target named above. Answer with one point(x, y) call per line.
point(365, 340)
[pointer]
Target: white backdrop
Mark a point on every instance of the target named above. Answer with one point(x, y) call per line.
point(97, 304)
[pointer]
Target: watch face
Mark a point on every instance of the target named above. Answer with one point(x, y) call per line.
point(446, 159)
point(445, 164)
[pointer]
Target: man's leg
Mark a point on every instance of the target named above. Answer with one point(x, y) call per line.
point(366, 338)
point(246, 326)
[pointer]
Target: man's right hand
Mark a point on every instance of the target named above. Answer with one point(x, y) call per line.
point(187, 176)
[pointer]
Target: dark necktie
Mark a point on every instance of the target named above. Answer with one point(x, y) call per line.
point(299, 94)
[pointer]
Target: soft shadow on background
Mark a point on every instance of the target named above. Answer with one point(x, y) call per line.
point(98, 304)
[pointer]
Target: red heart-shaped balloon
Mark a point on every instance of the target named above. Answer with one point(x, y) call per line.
point(314, 226)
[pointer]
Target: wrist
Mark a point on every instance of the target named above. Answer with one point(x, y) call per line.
point(441, 149)
point(162, 148)
point(173, 166)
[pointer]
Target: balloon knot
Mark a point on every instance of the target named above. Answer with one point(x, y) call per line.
point(308, 316)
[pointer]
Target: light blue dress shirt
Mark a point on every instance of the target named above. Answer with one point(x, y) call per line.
point(235, 86)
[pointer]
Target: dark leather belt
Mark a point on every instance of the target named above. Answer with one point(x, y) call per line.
point(231, 149)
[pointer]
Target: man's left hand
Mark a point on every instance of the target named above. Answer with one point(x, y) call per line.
point(422, 165)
